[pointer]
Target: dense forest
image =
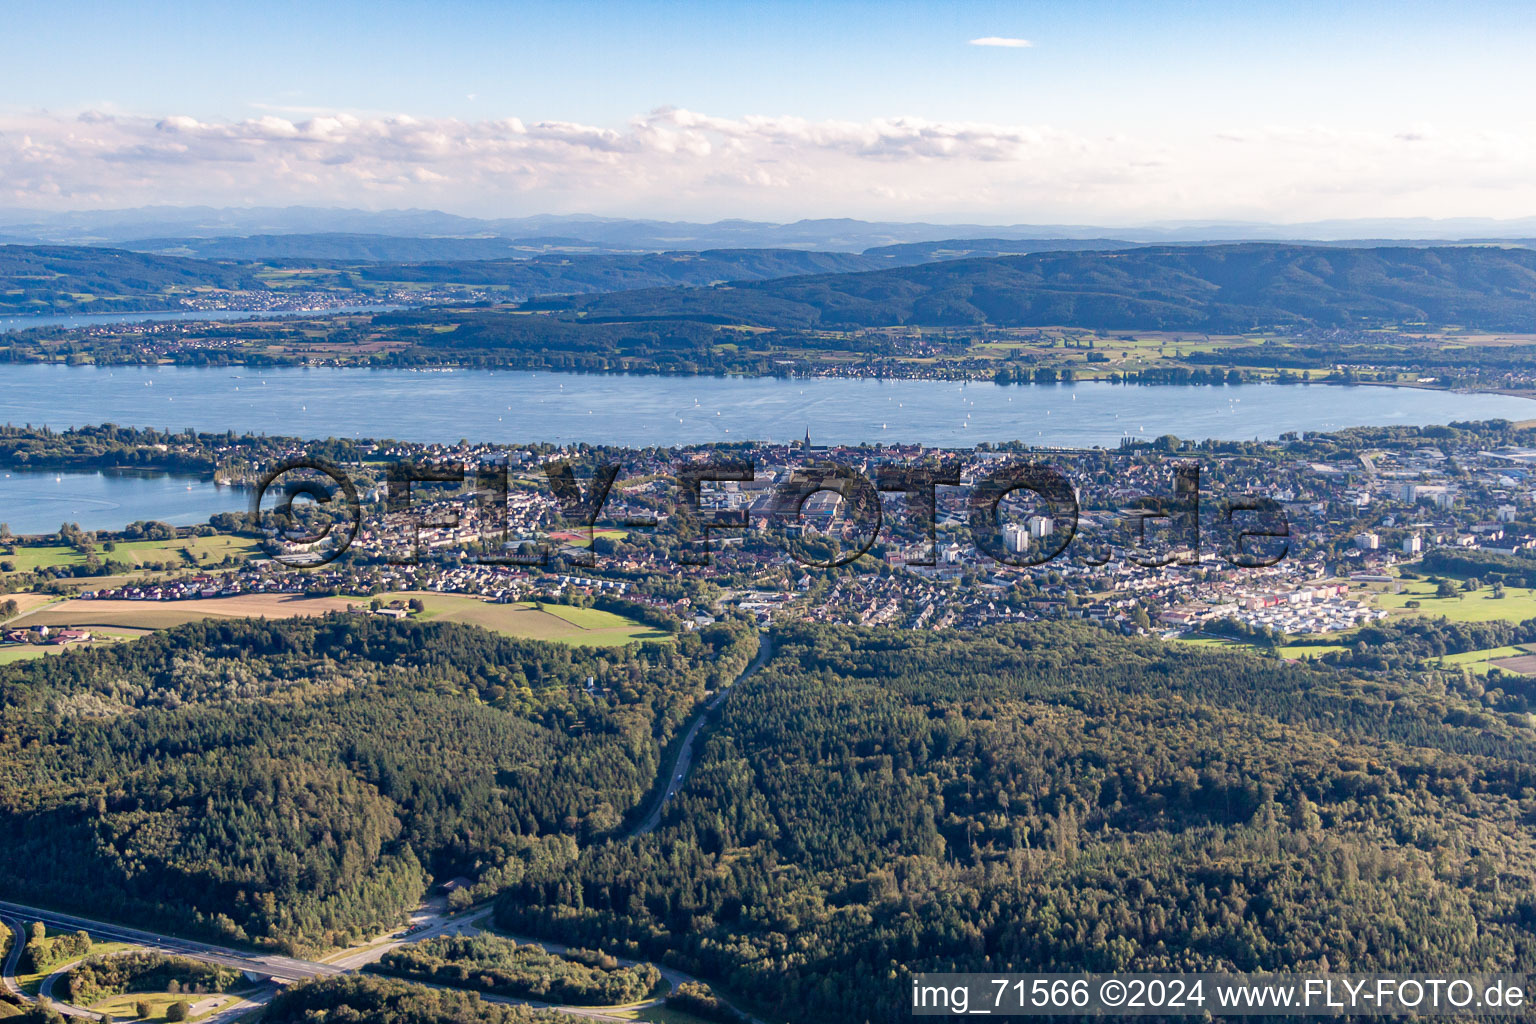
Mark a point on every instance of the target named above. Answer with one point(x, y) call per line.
point(877, 803)
point(295, 783)
point(364, 1000)
point(499, 966)
point(873, 803)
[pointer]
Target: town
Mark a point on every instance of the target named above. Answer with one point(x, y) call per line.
point(1358, 517)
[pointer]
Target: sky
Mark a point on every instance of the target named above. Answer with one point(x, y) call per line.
point(1084, 112)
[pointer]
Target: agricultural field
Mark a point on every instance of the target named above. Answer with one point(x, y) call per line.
point(10, 654)
point(1480, 662)
point(146, 615)
point(26, 603)
point(119, 620)
point(1517, 604)
point(587, 627)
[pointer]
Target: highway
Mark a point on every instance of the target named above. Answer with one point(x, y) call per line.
point(234, 1011)
point(676, 773)
point(17, 916)
point(281, 968)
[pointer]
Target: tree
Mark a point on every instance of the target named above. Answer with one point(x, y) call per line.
point(38, 931)
point(143, 1008)
point(1445, 588)
point(179, 1010)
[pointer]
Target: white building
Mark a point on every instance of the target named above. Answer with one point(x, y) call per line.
point(1413, 544)
point(1015, 538)
point(1041, 526)
point(1367, 542)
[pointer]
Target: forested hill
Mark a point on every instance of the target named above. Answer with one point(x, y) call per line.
point(554, 274)
point(877, 803)
point(1220, 288)
point(56, 278)
point(960, 283)
point(293, 784)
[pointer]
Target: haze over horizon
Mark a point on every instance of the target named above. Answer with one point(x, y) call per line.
point(1110, 113)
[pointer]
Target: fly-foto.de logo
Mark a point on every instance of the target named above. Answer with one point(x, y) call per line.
point(823, 514)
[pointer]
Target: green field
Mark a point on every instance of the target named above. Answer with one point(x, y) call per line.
point(1517, 604)
point(1291, 651)
point(578, 539)
point(204, 550)
point(121, 619)
point(1294, 651)
point(588, 627)
point(1479, 661)
point(124, 1007)
point(12, 653)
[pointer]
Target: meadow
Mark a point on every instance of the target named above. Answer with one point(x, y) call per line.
point(203, 550)
point(589, 627)
point(1517, 604)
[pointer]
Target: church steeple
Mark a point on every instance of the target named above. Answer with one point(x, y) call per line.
point(807, 442)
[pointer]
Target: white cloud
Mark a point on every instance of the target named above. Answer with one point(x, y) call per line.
point(674, 163)
point(1009, 42)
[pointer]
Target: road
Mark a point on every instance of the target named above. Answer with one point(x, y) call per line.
point(288, 969)
point(12, 958)
point(676, 773)
point(14, 915)
point(237, 1009)
point(281, 968)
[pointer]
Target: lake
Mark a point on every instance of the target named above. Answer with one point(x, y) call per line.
point(37, 502)
point(25, 323)
point(637, 410)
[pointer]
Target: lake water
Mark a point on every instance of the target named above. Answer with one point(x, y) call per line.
point(37, 502)
point(517, 406)
point(24, 323)
point(520, 406)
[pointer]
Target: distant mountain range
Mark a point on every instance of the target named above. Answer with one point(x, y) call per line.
point(1097, 283)
point(354, 234)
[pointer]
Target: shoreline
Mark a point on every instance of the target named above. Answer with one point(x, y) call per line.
point(1529, 394)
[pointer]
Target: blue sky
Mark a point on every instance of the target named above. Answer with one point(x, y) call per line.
point(1150, 89)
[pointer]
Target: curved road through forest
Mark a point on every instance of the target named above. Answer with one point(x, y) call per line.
point(675, 774)
point(289, 969)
